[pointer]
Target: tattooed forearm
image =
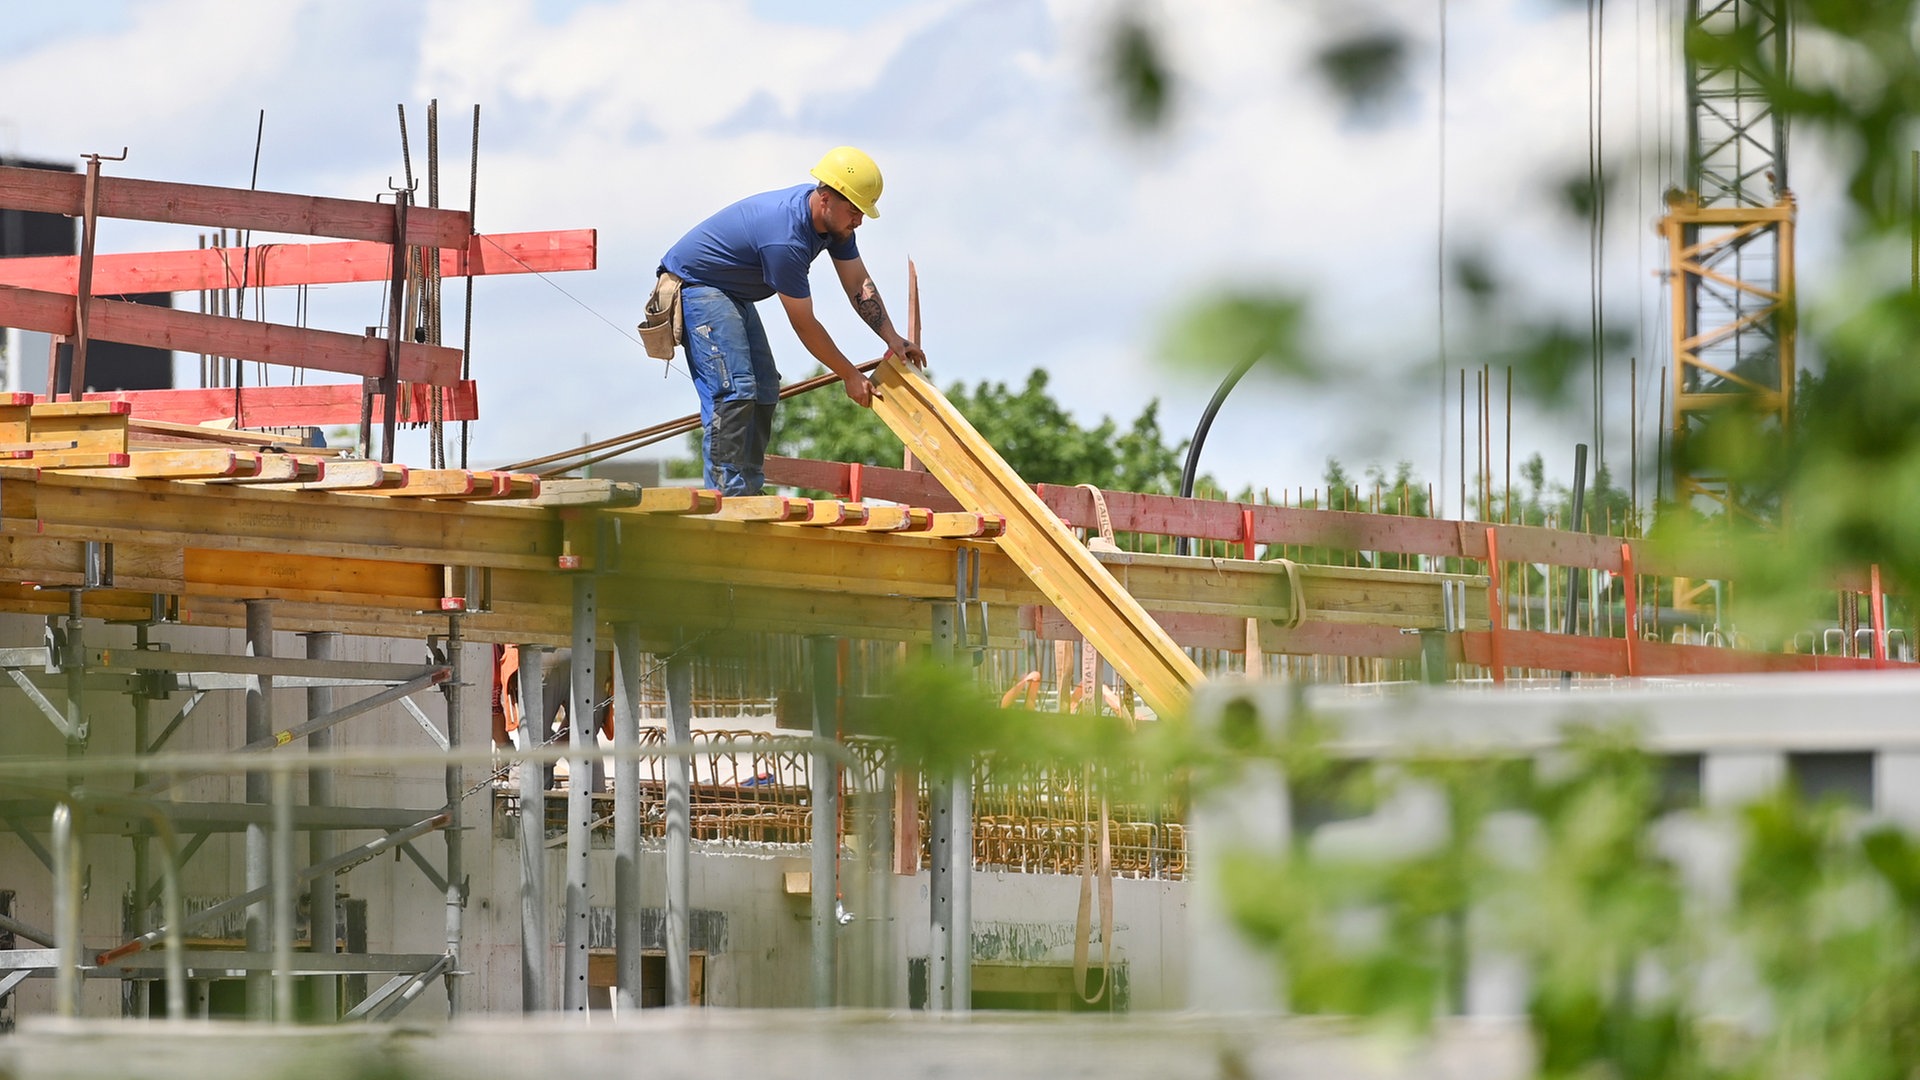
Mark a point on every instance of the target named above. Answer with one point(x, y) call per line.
point(867, 303)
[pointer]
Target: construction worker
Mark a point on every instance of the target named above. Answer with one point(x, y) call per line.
point(763, 246)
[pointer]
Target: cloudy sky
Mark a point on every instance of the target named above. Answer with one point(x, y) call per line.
point(1046, 233)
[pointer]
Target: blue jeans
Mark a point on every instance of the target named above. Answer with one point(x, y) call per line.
point(733, 370)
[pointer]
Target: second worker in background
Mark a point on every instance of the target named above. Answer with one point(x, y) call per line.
point(763, 246)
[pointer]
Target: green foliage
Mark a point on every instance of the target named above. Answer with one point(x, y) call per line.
point(1137, 75)
point(1629, 973)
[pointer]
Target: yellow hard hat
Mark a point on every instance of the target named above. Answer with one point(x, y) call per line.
point(853, 174)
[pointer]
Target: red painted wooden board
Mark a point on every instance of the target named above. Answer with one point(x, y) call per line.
point(890, 485)
point(292, 406)
point(189, 331)
point(232, 208)
point(297, 264)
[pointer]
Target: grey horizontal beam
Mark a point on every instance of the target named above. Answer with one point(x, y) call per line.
point(208, 961)
point(212, 817)
point(203, 963)
point(167, 660)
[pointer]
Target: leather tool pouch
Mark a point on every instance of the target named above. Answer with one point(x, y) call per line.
point(662, 328)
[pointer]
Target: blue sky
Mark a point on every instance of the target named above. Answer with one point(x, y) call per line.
point(1045, 233)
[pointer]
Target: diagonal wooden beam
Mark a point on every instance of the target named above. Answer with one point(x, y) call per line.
point(50, 192)
point(188, 331)
point(268, 265)
point(1036, 540)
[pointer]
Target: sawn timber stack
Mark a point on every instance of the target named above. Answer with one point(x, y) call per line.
point(1037, 541)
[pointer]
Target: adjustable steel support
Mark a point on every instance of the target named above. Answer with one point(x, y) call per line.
point(679, 833)
point(259, 791)
point(456, 789)
point(825, 776)
point(581, 732)
point(535, 942)
point(940, 883)
point(626, 817)
point(323, 894)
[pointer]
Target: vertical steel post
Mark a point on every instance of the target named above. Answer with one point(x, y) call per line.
point(960, 901)
point(66, 913)
point(626, 817)
point(825, 796)
point(282, 900)
point(323, 892)
point(679, 937)
point(535, 942)
point(580, 732)
point(456, 780)
point(259, 793)
point(940, 862)
point(74, 665)
point(141, 1003)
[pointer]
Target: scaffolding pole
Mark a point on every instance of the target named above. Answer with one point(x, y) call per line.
point(679, 832)
point(823, 883)
point(535, 942)
point(581, 733)
point(626, 817)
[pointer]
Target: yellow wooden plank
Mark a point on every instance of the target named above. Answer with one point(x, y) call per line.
point(833, 512)
point(281, 469)
point(966, 525)
point(587, 491)
point(896, 519)
point(59, 410)
point(659, 500)
point(90, 425)
point(204, 433)
point(429, 483)
point(78, 459)
point(763, 508)
point(349, 475)
point(15, 421)
point(185, 465)
point(1059, 565)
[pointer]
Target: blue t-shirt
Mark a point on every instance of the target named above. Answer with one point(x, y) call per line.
point(759, 246)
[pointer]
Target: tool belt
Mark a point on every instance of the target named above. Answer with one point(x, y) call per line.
point(663, 326)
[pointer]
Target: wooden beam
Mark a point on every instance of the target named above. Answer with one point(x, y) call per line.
point(316, 405)
point(51, 192)
point(432, 483)
point(351, 475)
point(189, 331)
point(185, 465)
point(274, 265)
point(833, 512)
point(1035, 539)
point(963, 525)
point(283, 469)
point(764, 508)
point(678, 501)
point(896, 519)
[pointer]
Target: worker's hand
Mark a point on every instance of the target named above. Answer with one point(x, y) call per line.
point(908, 351)
point(859, 390)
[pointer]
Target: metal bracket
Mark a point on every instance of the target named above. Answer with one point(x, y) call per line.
point(34, 695)
point(420, 716)
point(966, 590)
